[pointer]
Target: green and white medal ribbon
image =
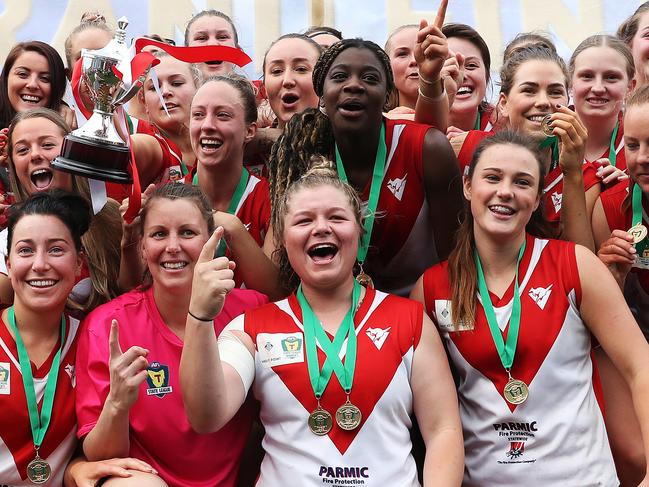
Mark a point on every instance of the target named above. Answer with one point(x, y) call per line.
point(638, 231)
point(234, 202)
point(348, 416)
point(612, 155)
point(515, 391)
point(372, 202)
point(38, 470)
point(478, 121)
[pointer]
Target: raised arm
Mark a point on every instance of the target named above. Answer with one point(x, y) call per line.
point(213, 391)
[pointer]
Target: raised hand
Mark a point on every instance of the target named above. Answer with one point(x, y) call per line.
point(213, 280)
point(127, 371)
point(609, 174)
point(129, 235)
point(572, 137)
point(431, 47)
point(619, 255)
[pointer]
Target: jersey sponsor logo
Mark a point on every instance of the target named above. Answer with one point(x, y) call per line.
point(158, 380)
point(175, 174)
point(280, 348)
point(69, 369)
point(518, 435)
point(378, 336)
point(516, 449)
point(557, 199)
point(444, 314)
point(540, 295)
point(341, 476)
point(5, 375)
point(397, 186)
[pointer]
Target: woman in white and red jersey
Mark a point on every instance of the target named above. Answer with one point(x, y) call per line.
point(516, 313)
point(389, 347)
point(38, 342)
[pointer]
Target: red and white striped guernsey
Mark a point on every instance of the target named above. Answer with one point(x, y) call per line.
point(557, 436)
point(16, 442)
point(378, 452)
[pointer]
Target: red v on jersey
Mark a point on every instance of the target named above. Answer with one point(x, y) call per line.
point(376, 365)
point(543, 312)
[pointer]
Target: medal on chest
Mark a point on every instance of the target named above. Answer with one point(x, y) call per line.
point(638, 231)
point(348, 416)
point(38, 470)
point(515, 391)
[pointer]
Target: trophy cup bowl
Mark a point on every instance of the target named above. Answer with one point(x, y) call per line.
point(96, 150)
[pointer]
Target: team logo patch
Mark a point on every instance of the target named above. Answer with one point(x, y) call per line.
point(280, 348)
point(557, 199)
point(378, 335)
point(158, 380)
point(5, 383)
point(444, 316)
point(397, 186)
point(540, 295)
point(69, 369)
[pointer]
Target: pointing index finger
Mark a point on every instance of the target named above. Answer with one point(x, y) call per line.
point(209, 248)
point(441, 14)
point(113, 340)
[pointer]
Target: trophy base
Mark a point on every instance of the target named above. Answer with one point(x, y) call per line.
point(94, 160)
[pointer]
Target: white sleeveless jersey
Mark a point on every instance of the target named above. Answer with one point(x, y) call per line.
point(378, 452)
point(556, 437)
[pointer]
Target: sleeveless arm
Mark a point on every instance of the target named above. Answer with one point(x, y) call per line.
point(440, 426)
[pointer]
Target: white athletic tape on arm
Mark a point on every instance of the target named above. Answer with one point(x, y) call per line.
point(235, 353)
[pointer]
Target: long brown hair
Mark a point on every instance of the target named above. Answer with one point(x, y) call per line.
point(462, 273)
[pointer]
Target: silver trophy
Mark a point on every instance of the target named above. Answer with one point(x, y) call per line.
point(96, 150)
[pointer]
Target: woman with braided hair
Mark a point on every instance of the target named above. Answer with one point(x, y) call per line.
point(406, 172)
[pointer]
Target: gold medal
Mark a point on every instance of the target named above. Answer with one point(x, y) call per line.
point(348, 416)
point(545, 125)
point(516, 391)
point(320, 421)
point(364, 280)
point(38, 470)
point(638, 232)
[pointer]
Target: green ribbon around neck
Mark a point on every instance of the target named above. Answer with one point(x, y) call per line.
point(375, 190)
point(234, 202)
point(506, 350)
point(636, 205)
point(612, 155)
point(39, 422)
point(552, 142)
point(313, 330)
point(478, 121)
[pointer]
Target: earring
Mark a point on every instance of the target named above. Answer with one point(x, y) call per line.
point(321, 107)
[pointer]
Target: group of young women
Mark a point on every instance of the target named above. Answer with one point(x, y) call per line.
point(269, 286)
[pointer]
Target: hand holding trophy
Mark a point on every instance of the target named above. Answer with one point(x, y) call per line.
point(96, 150)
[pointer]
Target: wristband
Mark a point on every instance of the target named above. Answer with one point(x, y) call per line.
point(205, 320)
point(430, 99)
